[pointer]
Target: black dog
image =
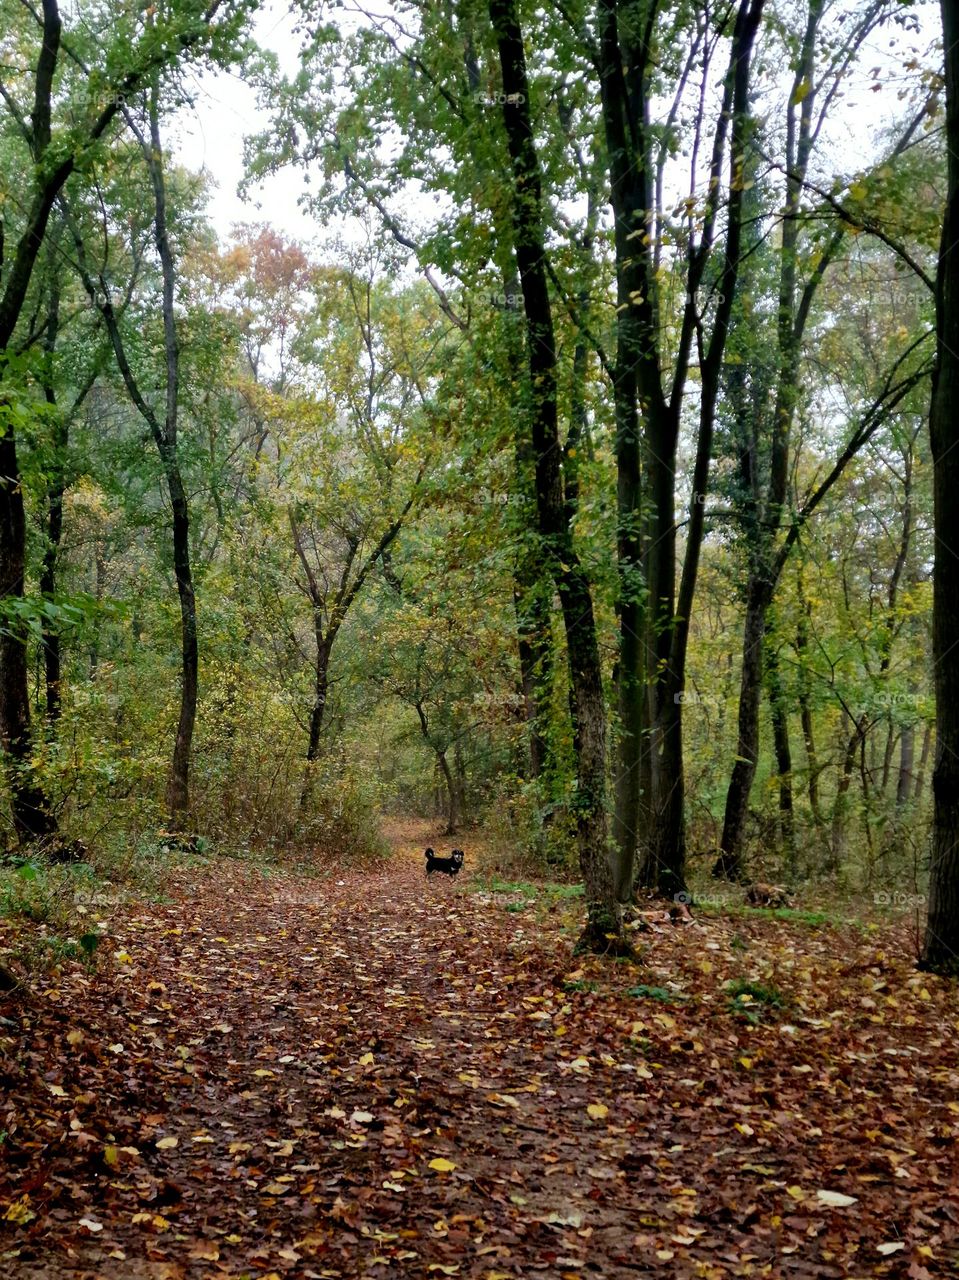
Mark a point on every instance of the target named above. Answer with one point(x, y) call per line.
point(449, 866)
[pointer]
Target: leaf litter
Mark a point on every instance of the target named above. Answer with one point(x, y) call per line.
point(369, 1077)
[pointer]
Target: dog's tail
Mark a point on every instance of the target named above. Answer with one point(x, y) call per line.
point(429, 854)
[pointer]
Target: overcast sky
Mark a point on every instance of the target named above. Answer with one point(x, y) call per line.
point(211, 135)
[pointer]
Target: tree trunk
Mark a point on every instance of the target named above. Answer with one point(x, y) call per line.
point(841, 805)
point(178, 784)
point(49, 631)
point(452, 808)
point(32, 818)
point(784, 764)
point(604, 924)
point(904, 785)
point(923, 762)
point(940, 951)
point(535, 649)
point(729, 864)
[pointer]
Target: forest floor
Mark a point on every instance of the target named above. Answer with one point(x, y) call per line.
point(371, 1075)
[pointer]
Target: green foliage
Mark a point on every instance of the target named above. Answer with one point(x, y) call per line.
point(661, 994)
point(748, 1000)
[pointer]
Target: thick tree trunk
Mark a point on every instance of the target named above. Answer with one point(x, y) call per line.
point(32, 818)
point(940, 950)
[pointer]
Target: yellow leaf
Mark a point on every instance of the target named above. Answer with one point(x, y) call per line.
point(597, 1110)
point(274, 1189)
point(20, 1211)
point(367, 1060)
point(166, 1144)
point(442, 1165)
point(797, 1193)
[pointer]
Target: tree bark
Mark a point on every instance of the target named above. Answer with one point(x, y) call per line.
point(784, 765)
point(729, 864)
point(49, 631)
point(905, 781)
point(32, 816)
point(604, 924)
point(923, 762)
point(940, 950)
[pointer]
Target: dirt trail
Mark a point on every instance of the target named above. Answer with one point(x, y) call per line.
point(378, 1076)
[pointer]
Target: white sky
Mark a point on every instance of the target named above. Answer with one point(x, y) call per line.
point(211, 135)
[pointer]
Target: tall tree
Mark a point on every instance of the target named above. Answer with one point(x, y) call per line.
point(164, 428)
point(54, 154)
point(649, 390)
point(604, 925)
point(940, 949)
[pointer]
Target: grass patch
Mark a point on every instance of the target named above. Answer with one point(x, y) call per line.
point(526, 888)
point(748, 1000)
point(791, 915)
point(662, 994)
point(579, 985)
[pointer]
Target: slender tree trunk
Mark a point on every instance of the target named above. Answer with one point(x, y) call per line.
point(99, 588)
point(729, 864)
point(535, 649)
point(178, 784)
point(841, 804)
point(784, 765)
point(923, 762)
point(321, 684)
point(905, 782)
point(50, 632)
point(887, 755)
point(452, 809)
point(940, 951)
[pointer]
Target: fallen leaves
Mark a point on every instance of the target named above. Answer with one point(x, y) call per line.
point(381, 1079)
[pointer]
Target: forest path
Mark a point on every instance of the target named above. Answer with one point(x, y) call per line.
point(376, 1075)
